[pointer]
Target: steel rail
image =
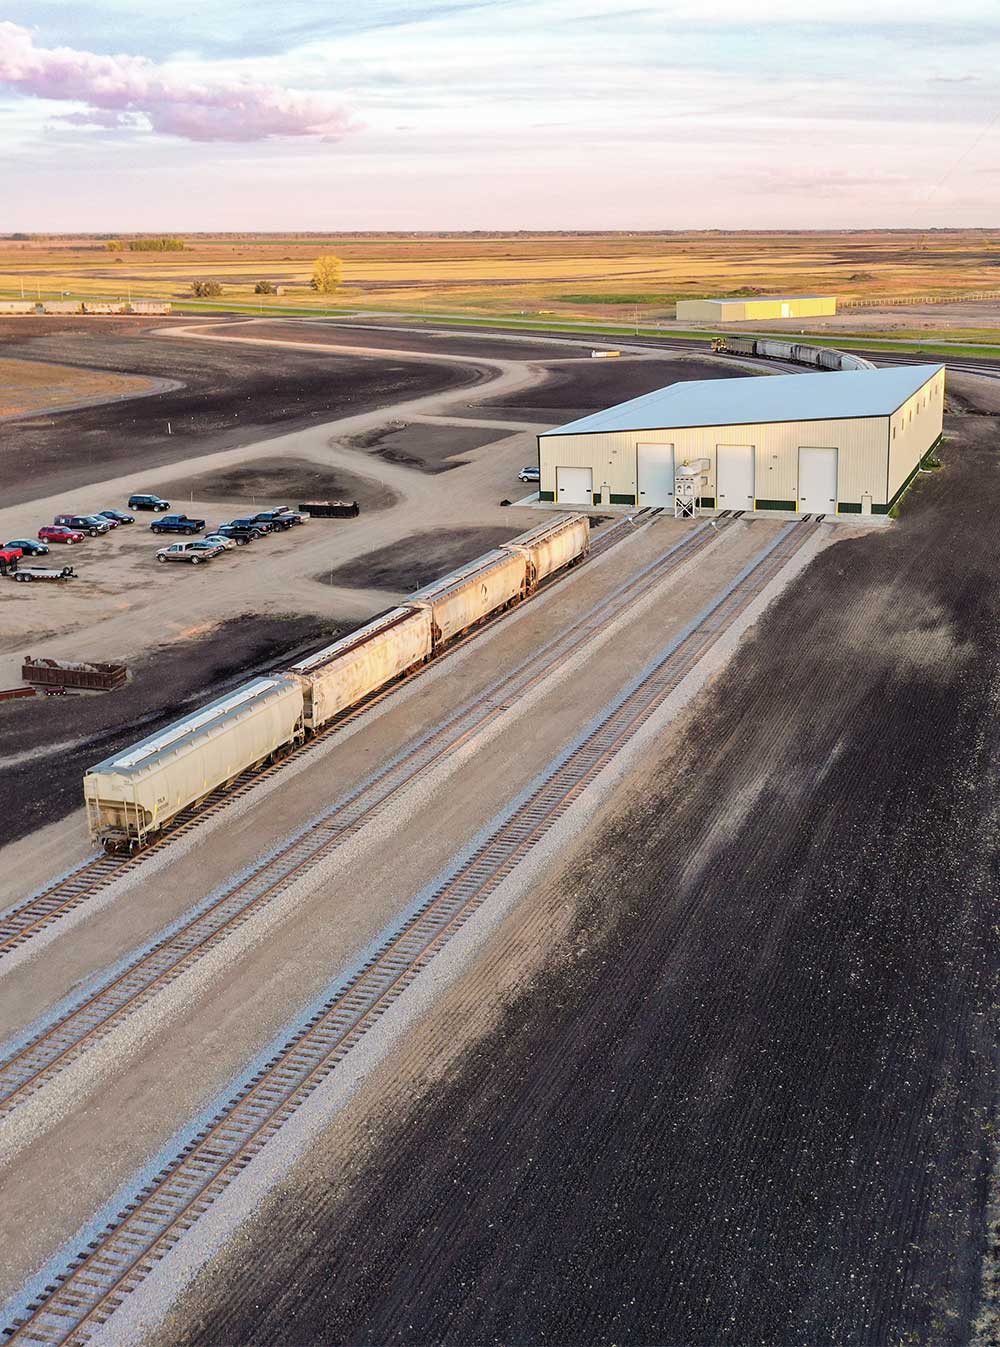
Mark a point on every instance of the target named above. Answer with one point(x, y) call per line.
point(28, 918)
point(78, 1027)
point(96, 1281)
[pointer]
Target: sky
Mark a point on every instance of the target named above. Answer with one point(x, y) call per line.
point(129, 115)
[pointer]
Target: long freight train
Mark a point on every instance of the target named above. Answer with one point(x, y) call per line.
point(819, 357)
point(132, 795)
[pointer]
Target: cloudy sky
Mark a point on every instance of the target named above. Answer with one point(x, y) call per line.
point(465, 114)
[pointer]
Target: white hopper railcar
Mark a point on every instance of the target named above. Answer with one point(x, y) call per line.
point(466, 596)
point(551, 547)
point(347, 671)
point(135, 793)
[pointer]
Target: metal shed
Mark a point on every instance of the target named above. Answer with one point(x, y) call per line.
point(756, 308)
point(842, 442)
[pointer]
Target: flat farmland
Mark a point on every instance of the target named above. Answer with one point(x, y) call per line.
point(28, 387)
point(608, 276)
point(729, 1077)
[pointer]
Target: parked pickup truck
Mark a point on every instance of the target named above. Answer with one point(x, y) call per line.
point(241, 534)
point(192, 552)
point(280, 520)
point(177, 523)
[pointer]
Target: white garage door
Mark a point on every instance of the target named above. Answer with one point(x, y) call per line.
point(656, 474)
point(575, 486)
point(818, 480)
point(734, 476)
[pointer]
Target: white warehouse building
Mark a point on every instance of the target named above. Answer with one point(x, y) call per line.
point(848, 442)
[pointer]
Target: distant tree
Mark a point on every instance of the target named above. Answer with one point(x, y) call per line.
point(205, 289)
point(114, 245)
point(265, 288)
point(21, 238)
point(327, 271)
point(166, 244)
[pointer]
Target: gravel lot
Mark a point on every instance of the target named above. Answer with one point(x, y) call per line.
point(416, 560)
point(231, 396)
point(746, 1095)
point(262, 482)
point(573, 390)
point(428, 448)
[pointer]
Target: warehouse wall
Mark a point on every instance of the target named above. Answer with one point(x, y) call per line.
point(820, 306)
point(745, 310)
point(862, 442)
point(913, 429)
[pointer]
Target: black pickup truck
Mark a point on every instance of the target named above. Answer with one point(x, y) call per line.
point(177, 523)
point(280, 520)
point(241, 533)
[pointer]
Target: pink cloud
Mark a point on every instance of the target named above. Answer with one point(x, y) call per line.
point(116, 88)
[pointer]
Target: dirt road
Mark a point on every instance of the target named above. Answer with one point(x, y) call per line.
point(743, 1091)
point(231, 395)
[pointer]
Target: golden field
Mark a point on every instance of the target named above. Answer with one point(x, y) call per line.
point(31, 386)
point(610, 277)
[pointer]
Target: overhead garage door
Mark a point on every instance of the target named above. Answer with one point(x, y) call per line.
point(734, 476)
point(656, 474)
point(575, 486)
point(818, 480)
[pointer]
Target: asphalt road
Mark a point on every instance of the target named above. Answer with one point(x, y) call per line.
point(748, 1099)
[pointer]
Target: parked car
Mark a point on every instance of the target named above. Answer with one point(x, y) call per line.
point(86, 523)
point(221, 540)
point(252, 522)
point(192, 552)
point(210, 549)
point(241, 534)
point(279, 520)
point(29, 547)
point(9, 557)
point(177, 523)
point(117, 516)
point(529, 474)
point(289, 513)
point(148, 502)
point(59, 533)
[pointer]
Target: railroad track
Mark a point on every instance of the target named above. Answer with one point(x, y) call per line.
point(31, 1064)
point(84, 1295)
point(23, 922)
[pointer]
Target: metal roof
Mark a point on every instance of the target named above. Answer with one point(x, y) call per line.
point(759, 299)
point(759, 400)
point(188, 727)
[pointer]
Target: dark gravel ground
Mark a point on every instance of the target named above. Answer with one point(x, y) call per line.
point(749, 1100)
point(428, 448)
point(231, 396)
point(416, 560)
point(575, 390)
point(261, 482)
point(66, 735)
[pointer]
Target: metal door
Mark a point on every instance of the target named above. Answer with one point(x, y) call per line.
point(656, 474)
point(818, 479)
point(575, 486)
point(734, 476)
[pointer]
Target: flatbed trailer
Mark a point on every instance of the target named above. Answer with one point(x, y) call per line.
point(28, 573)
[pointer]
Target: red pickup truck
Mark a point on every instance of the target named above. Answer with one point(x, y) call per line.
point(9, 557)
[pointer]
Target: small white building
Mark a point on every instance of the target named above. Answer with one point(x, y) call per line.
point(756, 309)
point(814, 443)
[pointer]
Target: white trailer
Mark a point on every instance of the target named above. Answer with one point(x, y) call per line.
point(551, 546)
point(347, 671)
point(466, 596)
point(133, 794)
